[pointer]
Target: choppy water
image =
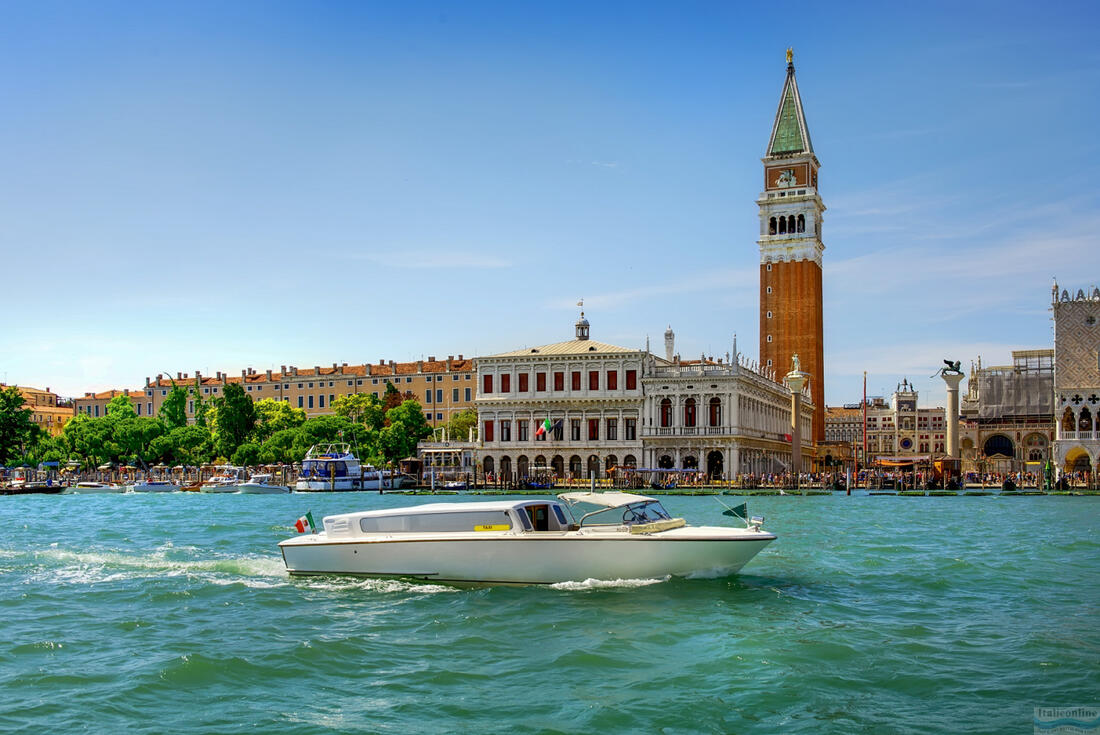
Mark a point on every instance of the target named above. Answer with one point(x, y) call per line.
point(173, 613)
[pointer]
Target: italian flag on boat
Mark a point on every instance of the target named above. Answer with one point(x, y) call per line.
point(305, 522)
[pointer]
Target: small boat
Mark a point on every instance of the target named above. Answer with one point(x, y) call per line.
point(93, 488)
point(261, 485)
point(154, 486)
point(627, 536)
point(225, 480)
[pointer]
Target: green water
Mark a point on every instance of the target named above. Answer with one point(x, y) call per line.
point(172, 613)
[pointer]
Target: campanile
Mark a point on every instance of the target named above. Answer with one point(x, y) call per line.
point(790, 250)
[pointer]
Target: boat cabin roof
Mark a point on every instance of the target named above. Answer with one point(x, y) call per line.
point(607, 500)
point(497, 505)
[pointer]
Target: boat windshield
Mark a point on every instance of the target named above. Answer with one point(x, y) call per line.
point(644, 511)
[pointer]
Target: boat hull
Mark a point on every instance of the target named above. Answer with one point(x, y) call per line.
point(98, 490)
point(154, 488)
point(251, 488)
point(526, 558)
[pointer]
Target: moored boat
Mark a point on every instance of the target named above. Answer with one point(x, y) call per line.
point(329, 468)
point(93, 488)
point(225, 480)
point(261, 485)
point(154, 486)
point(627, 536)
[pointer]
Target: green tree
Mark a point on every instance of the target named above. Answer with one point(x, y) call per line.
point(362, 408)
point(247, 455)
point(134, 437)
point(191, 445)
point(17, 431)
point(235, 420)
point(406, 427)
point(173, 412)
point(273, 416)
point(121, 407)
point(202, 406)
point(279, 447)
point(458, 428)
point(394, 398)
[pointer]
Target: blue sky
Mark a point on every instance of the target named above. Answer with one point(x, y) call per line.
point(219, 185)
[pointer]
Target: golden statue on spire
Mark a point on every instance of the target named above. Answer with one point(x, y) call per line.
point(790, 55)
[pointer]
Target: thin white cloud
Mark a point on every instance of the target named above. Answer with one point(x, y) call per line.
point(722, 279)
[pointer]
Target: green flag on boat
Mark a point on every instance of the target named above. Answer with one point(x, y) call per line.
point(738, 511)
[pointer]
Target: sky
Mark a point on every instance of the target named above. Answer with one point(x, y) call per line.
point(213, 186)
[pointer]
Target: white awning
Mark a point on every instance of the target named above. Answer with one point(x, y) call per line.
point(609, 500)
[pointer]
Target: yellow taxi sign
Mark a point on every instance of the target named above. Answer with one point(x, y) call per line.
point(493, 527)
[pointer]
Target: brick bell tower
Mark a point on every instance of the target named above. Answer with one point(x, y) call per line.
point(790, 250)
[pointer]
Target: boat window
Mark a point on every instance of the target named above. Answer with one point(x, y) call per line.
point(539, 517)
point(525, 520)
point(561, 516)
point(465, 521)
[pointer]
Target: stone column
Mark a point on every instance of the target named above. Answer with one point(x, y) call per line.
point(796, 380)
point(952, 380)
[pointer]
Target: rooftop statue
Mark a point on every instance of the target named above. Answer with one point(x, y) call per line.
point(951, 369)
point(796, 366)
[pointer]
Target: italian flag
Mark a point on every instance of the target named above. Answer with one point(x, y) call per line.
point(305, 522)
point(544, 427)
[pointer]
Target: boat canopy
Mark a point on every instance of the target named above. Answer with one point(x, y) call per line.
point(607, 500)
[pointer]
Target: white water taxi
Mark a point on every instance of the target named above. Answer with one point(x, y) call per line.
point(93, 488)
point(524, 542)
point(225, 480)
point(261, 485)
point(155, 486)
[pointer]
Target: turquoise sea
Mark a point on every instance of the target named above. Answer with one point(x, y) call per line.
point(173, 614)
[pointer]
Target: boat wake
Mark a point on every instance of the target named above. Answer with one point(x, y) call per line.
point(604, 584)
point(92, 567)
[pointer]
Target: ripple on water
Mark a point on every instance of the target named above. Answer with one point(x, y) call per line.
point(866, 615)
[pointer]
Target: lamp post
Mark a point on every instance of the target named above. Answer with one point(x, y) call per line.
point(796, 381)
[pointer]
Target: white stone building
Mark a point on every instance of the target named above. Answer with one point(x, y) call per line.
point(590, 391)
point(613, 406)
point(1076, 379)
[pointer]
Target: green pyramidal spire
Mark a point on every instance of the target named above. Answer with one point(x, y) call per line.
point(789, 133)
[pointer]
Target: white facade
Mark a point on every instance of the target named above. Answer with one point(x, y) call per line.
point(614, 407)
point(590, 391)
point(722, 419)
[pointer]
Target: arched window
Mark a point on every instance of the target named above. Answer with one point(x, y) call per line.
point(666, 412)
point(593, 467)
point(790, 223)
point(1085, 422)
point(689, 412)
point(630, 461)
point(488, 465)
point(771, 226)
point(1067, 420)
point(782, 225)
point(557, 465)
point(801, 223)
point(714, 417)
point(575, 466)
